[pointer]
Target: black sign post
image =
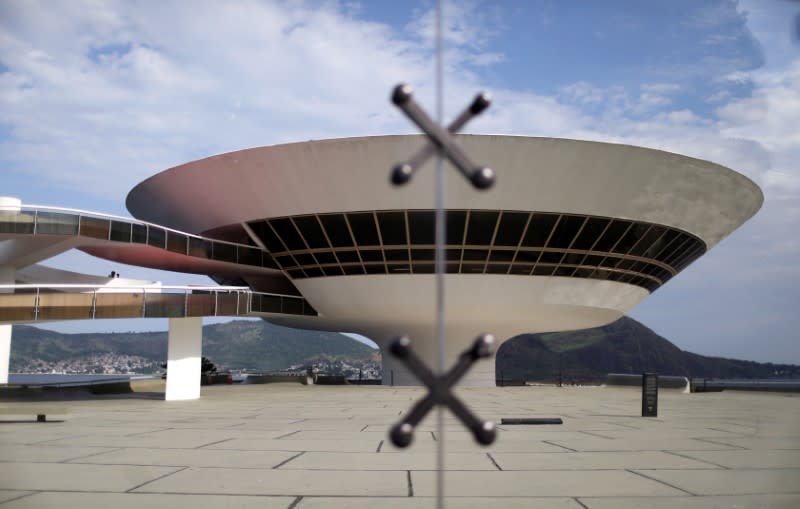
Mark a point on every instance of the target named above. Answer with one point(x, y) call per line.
point(649, 395)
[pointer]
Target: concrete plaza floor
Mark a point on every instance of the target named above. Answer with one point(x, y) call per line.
point(307, 447)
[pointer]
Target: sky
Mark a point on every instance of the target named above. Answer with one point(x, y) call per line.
point(96, 96)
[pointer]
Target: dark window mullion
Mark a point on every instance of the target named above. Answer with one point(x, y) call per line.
point(611, 248)
point(519, 244)
point(547, 243)
point(664, 249)
point(464, 242)
point(610, 253)
point(305, 242)
point(624, 256)
point(666, 230)
point(591, 248)
point(408, 239)
point(355, 243)
point(328, 240)
point(286, 248)
point(672, 253)
point(491, 242)
point(644, 236)
point(380, 240)
point(690, 251)
point(571, 243)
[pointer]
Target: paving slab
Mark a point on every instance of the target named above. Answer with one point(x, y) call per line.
point(541, 484)
point(41, 453)
point(167, 439)
point(376, 436)
point(469, 445)
point(762, 443)
point(595, 461)
point(705, 502)
point(281, 482)
point(67, 477)
point(730, 482)
point(62, 500)
point(748, 459)
point(272, 445)
point(287, 444)
point(429, 503)
point(45, 433)
point(6, 495)
point(189, 458)
point(703, 433)
point(654, 443)
point(379, 461)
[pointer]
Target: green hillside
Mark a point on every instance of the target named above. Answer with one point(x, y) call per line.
point(240, 344)
point(625, 346)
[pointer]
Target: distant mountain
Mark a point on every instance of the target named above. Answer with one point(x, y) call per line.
point(240, 344)
point(624, 346)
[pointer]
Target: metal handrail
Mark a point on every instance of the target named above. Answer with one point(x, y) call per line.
point(237, 248)
point(101, 215)
point(26, 286)
point(241, 308)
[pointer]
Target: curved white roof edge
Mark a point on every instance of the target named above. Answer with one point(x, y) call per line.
point(534, 174)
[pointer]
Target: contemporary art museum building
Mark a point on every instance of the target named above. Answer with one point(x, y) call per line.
point(573, 235)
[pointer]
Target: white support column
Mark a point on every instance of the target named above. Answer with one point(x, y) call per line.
point(184, 354)
point(6, 277)
point(5, 352)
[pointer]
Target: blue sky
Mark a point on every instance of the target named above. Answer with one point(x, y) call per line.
point(95, 97)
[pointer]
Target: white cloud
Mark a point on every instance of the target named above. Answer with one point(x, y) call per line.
point(97, 96)
point(120, 91)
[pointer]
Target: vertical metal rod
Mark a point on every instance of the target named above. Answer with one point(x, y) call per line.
point(440, 267)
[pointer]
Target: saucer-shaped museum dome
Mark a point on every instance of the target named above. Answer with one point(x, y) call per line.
point(572, 235)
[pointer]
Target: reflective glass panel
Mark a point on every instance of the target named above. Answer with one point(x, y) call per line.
point(539, 229)
point(309, 228)
point(631, 237)
point(288, 233)
point(456, 220)
point(139, 233)
point(94, 227)
point(613, 233)
point(120, 231)
point(649, 244)
point(423, 254)
point(421, 226)
point(371, 255)
point(481, 226)
point(249, 256)
point(336, 228)
point(156, 237)
point(591, 231)
point(12, 221)
point(363, 226)
point(393, 228)
point(347, 256)
point(199, 248)
point(512, 224)
point(565, 231)
point(176, 242)
point(54, 223)
point(224, 252)
point(325, 257)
